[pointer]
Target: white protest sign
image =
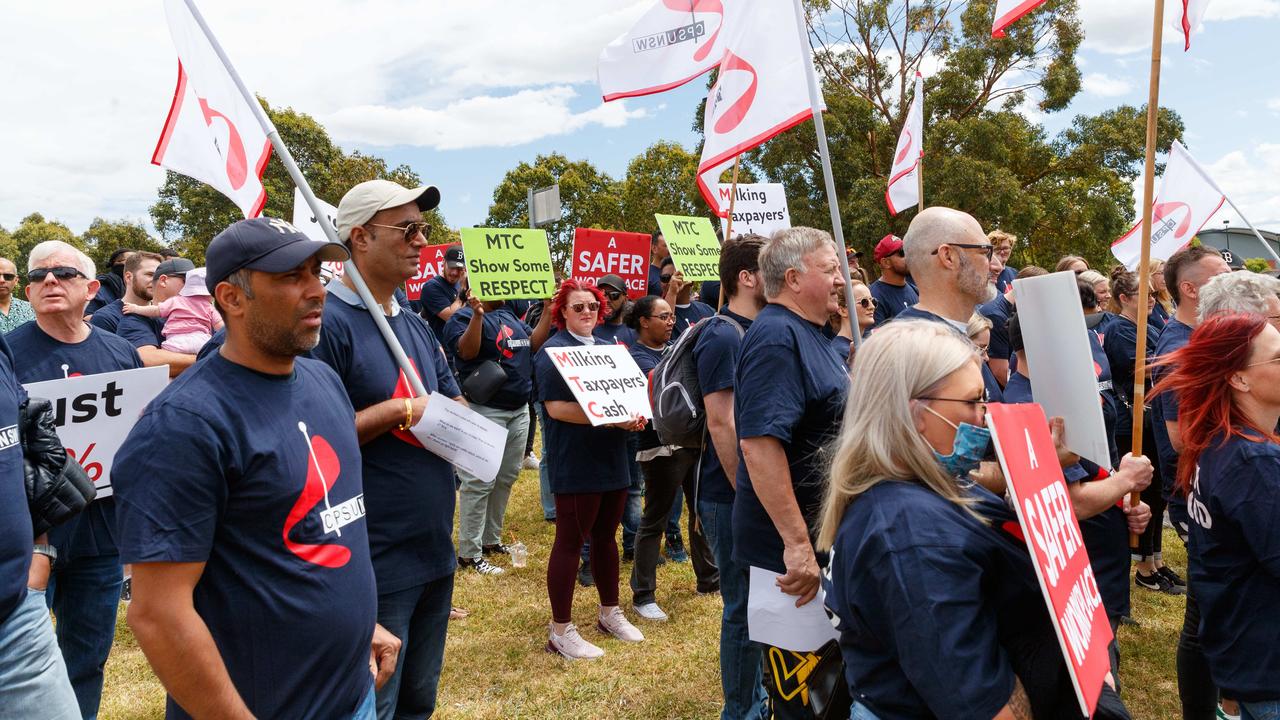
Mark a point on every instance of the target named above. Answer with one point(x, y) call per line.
point(605, 381)
point(94, 414)
point(774, 619)
point(464, 437)
point(1063, 378)
point(759, 208)
point(308, 225)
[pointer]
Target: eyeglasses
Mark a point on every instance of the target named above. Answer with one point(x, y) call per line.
point(410, 230)
point(664, 317)
point(1264, 362)
point(986, 249)
point(666, 278)
point(980, 403)
point(867, 303)
point(61, 272)
point(579, 307)
point(8, 277)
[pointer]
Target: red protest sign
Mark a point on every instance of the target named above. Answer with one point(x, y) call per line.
point(430, 264)
point(1021, 435)
point(597, 253)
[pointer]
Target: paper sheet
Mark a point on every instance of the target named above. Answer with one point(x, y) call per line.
point(774, 619)
point(464, 437)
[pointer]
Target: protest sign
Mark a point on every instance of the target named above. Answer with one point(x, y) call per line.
point(1030, 463)
point(774, 619)
point(94, 414)
point(693, 245)
point(464, 437)
point(597, 253)
point(508, 264)
point(430, 264)
point(1063, 378)
point(308, 225)
point(759, 208)
point(605, 381)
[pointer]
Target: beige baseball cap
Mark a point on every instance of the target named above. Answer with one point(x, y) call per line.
point(364, 201)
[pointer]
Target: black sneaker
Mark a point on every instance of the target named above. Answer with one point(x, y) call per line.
point(1126, 620)
point(584, 575)
point(675, 551)
point(480, 565)
point(499, 549)
point(629, 555)
point(126, 589)
point(1173, 577)
point(1157, 582)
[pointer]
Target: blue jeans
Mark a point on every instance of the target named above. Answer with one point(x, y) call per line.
point(368, 709)
point(544, 480)
point(418, 616)
point(33, 677)
point(1264, 710)
point(744, 695)
point(635, 496)
point(84, 594)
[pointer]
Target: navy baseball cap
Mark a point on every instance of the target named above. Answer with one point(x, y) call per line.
point(267, 244)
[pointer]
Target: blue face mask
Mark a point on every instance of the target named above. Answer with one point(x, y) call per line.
point(967, 450)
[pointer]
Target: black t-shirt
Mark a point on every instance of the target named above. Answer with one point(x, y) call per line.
point(790, 386)
point(504, 340)
point(15, 518)
point(258, 477)
point(716, 356)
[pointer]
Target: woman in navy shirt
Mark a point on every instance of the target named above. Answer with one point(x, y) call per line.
point(587, 469)
point(1227, 381)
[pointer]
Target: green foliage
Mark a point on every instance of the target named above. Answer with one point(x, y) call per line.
point(33, 230)
point(104, 237)
point(662, 179)
point(1258, 265)
point(9, 248)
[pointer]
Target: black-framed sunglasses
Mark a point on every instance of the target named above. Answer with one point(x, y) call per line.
point(899, 253)
point(409, 230)
point(593, 306)
point(61, 272)
point(666, 278)
point(987, 250)
point(8, 277)
point(867, 303)
point(612, 294)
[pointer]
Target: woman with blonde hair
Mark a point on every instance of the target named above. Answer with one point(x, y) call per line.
point(1164, 308)
point(935, 598)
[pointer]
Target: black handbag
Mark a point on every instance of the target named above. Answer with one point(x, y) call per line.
point(57, 487)
point(483, 382)
point(828, 690)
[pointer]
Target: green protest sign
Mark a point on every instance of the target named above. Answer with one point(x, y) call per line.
point(693, 245)
point(508, 264)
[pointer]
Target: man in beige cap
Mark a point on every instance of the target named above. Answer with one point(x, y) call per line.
point(408, 490)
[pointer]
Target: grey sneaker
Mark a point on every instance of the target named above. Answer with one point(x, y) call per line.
point(571, 645)
point(612, 621)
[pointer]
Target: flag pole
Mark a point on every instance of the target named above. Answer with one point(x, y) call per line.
point(1209, 179)
point(1144, 266)
point(728, 226)
point(920, 177)
point(806, 53)
point(286, 158)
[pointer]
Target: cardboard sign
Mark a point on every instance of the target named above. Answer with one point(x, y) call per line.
point(759, 208)
point(430, 264)
point(605, 381)
point(1021, 435)
point(597, 253)
point(693, 245)
point(94, 414)
point(1063, 378)
point(308, 225)
point(508, 264)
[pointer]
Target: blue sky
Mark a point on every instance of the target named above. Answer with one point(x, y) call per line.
point(464, 91)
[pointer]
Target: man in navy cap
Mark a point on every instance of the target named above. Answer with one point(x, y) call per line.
point(241, 506)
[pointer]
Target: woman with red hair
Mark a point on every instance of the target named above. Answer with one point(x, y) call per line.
point(589, 475)
point(1227, 380)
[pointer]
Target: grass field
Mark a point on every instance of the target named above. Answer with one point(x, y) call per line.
point(495, 665)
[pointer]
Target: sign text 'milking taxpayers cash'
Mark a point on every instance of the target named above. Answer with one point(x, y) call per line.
point(605, 381)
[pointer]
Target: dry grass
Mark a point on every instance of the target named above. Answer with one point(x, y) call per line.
point(495, 665)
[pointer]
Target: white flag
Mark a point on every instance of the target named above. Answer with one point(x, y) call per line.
point(211, 134)
point(673, 43)
point(1008, 12)
point(1188, 197)
point(1188, 21)
point(904, 177)
point(762, 90)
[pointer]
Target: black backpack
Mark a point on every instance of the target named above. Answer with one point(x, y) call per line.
point(679, 416)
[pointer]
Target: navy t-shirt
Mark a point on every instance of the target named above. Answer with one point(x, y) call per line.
point(1159, 317)
point(655, 280)
point(1005, 279)
point(580, 458)
point(688, 315)
point(709, 293)
point(1164, 407)
point(214, 343)
point(614, 334)
point(994, 392)
point(646, 359)
point(258, 476)
point(409, 490)
point(505, 340)
point(892, 299)
point(39, 357)
point(998, 311)
point(108, 316)
point(716, 356)
point(1121, 344)
point(790, 385)
point(15, 518)
point(437, 294)
point(141, 331)
point(1234, 559)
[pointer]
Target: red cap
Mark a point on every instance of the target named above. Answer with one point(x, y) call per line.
point(888, 245)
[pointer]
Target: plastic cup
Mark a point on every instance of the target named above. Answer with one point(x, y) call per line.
point(519, 555)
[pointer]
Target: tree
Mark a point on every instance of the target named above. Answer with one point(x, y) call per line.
point(589, 197)
point(189, 213)
point(662, 179)
point(1258, 265)
point(104, 237)
point(34, 229)
point(9, 248)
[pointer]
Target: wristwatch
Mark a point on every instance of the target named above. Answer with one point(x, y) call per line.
point(48, 551)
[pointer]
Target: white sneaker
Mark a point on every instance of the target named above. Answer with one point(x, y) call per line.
point(531, 462)
point(612, 621)
point(651, 611)
point(571, 645)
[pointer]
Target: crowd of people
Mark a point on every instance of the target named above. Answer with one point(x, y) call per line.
point(279, 522)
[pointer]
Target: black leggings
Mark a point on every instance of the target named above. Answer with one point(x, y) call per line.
point(1151, 541)
point(1196, 690)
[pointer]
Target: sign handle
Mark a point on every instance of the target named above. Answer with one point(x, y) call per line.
point(728, 226)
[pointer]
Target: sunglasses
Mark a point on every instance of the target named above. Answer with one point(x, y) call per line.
point(612, 294)
point(666, 278)
point(8, 277)
point(897, 253)
point(867, 303)
point(986, 249)
point(579, 307)
point(410, 231)
point(61, 272)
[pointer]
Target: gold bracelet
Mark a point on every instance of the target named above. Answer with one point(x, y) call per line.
point(408, 414)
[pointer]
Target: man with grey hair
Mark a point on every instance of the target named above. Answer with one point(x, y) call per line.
point(789, 394)
point(13, 311)
point(954, 266)
point(1242, 292)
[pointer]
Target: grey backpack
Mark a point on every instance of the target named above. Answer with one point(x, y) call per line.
point(679, 416)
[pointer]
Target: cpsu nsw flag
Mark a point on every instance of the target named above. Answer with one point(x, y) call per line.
point(762, 90)
point(904, 177)
point(211, 134)
point(1188, 198)
point(674, 42)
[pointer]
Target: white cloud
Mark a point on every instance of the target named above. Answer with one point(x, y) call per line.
point(1252, 181)
point(1104, 85)
point(1125, 27)
point(1274, 104)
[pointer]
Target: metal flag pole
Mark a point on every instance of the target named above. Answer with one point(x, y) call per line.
point(1209, 179)
point(286, 158)
point(828, 177)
